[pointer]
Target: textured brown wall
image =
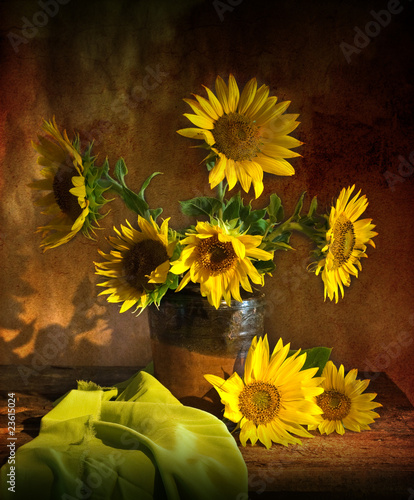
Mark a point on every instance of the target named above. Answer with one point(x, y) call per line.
point(88, 66)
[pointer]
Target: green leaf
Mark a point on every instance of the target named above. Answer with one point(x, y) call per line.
point(282, 238)
point(105, 167)
point(210, 164)
point(315, 357)
point(258, 228)
point(245, 211)
point(313, 207)
point(201, 205)
point(274, 209)
point(146, 184)
point(155, 213)
point(134, 202)
point(264, 266)
point(280, 214)
point(298, 207)
point(232, 208)
point(121, 171)
point(160, 290)
point(233, 223)
point(253, 217)
point(280, 245)
point(177, 252)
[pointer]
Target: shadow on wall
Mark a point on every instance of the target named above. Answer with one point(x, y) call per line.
point(55, 344)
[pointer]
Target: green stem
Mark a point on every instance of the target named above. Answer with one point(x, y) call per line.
point(221, 191)
point(130, 198)
point(117, 188)
point(269, 225)
point(290, 226)
point(308, 231)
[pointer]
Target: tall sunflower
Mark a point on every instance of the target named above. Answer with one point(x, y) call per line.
point(274, 399)
point(247, 133)
point(346, 241)
point(140, 261)
point(220, 259)
point(75, 196)
point(342, 402)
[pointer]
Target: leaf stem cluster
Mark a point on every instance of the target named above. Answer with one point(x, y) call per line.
point(233, 212)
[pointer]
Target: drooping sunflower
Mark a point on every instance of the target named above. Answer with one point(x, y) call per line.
point(346, 241)
point(274, 399)
point(247, 133)
point(220, 259)
point(140, 261)
point(342, 402)
point(75, 197)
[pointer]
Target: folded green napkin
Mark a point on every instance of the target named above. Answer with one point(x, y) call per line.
point(144, 444)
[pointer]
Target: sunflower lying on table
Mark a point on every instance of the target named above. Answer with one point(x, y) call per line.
point(279, 395)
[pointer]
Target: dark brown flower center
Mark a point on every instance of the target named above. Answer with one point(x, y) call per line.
point(259, 402)
point(334, 404)
point(216, 256)
point(62, 183)
point(237, 137)
point(139, 262)
point(343, 240)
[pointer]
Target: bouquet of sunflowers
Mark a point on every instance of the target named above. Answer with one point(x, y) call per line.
point(233, 246)
point(230, 247)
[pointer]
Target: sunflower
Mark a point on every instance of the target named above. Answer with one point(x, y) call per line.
point(75, 197)
point(220, 259)
point(342, 402)
point(247, 133)
point(346, 241)
point(140, 261)
point(274, 399)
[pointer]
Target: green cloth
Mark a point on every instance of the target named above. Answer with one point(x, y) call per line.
point(144, 444)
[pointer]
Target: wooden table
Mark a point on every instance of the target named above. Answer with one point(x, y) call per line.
point(376, 464)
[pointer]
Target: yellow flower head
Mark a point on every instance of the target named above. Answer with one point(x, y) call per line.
point(346, 241)
point(342, 402)
point(139, 262)
point(247, 132)
point(220, 259)
point(274, 399)
point(74, 198)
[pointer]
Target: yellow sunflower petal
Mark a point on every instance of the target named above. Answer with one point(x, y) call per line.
point(247, 95)
point(196, 133)
point(222, 94)
point(234, 94)
point(218, 108)
point(275, 166)
point(200, 121)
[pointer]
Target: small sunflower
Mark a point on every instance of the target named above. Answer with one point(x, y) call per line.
point(140, 261)
point(75, 197)
point(342, 402)
point(346, 241)
point(274, 399)
point(220, 259)
point(247, 133)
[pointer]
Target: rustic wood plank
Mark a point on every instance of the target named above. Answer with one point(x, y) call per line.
point(377, 463)
point(372, 464)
